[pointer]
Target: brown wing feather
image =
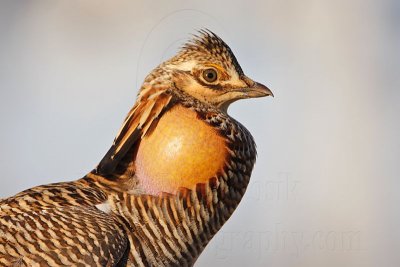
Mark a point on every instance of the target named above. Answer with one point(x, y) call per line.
point(62, 236)
point(59, 225)
point(151, 103)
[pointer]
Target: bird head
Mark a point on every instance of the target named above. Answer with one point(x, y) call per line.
point(207, 69)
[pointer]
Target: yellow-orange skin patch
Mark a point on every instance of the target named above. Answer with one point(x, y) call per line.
point(181, 151)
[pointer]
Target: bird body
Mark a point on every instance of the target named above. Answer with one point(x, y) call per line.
point(175, 173)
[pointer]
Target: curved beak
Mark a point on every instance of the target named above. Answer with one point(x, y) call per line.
point(250, 89)
point(254, 89)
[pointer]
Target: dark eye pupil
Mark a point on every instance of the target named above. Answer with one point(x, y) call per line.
point(210, 75)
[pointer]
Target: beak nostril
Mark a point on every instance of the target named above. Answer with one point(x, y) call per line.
point(249, 82)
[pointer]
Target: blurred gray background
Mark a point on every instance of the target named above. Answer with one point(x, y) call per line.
point(325, 190)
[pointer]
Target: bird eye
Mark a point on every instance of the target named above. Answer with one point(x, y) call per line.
point(210, 75)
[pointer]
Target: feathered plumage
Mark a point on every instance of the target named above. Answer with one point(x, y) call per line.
point(173, 176)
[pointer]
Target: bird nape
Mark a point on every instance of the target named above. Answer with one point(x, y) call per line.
point(175, 173)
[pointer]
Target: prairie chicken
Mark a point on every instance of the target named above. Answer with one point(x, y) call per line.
point(175, 173)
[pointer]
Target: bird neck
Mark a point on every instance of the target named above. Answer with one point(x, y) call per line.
point(174, 228)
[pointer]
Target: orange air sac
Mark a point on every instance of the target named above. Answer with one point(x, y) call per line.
point(181, 151)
